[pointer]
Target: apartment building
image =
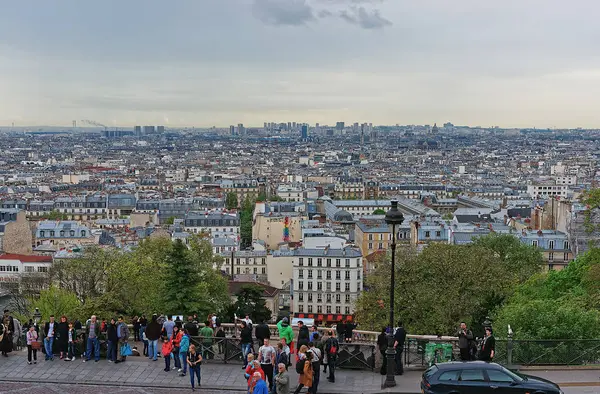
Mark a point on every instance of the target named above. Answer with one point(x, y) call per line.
point(547, 190)
point(374, 236)
point(13, 266)
point(555, 246)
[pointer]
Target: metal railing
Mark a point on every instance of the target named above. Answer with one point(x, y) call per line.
point(514, 352)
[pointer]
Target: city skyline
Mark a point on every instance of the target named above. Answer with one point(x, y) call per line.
point(227, 62)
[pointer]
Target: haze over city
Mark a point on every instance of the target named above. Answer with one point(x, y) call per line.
point(221, 62)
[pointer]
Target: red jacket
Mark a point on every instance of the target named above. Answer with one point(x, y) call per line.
point(250, 371)
point(177, 338)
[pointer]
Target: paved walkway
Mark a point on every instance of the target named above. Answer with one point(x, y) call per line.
point(140, 372)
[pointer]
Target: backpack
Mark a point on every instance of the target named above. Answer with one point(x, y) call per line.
point(300, 366)
point(333, 347)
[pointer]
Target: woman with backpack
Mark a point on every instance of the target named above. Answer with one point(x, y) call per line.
point(304, 369)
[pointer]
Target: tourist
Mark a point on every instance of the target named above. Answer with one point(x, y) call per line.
point(220, 334)
point(191, 327)
point(123, 335)
point(153, 334)
point(255, 369)
point(92, 330)
point(194, 360)
point(267, 357)
point(250, 367)
point(207, 334)
point(348, 330)
point(214, 321)
point(32, 345)
point(112, 341)
point(282, 380)
point(303, 335)
point(136, 328)
point(71, 338)
point(314, 331)
point(176, 338)
point(282, 356)
point(331, 348)
point(258, 386)
point(286, 333)
point(382, 345)
point(465, 339)
point(304, 369)
point(246, 341)
point(262, 332)
point(167, 348)
point(316, 365)
point(323, 344)
point(62, 336)
point(168, 326)
point(488, 346)
point(340, 330)
point(399, 339)
point(49, 333)
point(184, 347)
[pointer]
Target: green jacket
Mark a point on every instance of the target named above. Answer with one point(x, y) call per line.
point(285, 332)
point(206, 333)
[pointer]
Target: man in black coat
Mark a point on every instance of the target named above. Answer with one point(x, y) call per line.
point(262, 332)
point(303, 335)
point(191, 327)
point(399, 339)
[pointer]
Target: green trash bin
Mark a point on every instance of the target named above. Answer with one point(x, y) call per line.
point(436, 353)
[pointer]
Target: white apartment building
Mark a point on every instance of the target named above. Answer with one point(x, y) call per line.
point(326, 281)
point(12, 266)
point(566, 180)
point(547, 190)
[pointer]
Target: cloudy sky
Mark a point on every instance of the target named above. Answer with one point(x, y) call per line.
point(220, 62)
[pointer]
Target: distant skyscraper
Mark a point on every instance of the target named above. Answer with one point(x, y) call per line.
point(339, 126)
point(148, 130)
point(241, 129)
point(266, 126)
point(305, 132)
point(232, 130)
point(355, 127)
point(289, 126)
point(160, 129)
point(137, 130)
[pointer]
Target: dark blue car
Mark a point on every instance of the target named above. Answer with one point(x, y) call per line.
point(482, 378)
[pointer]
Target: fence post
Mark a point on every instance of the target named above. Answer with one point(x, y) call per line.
point(509, 348)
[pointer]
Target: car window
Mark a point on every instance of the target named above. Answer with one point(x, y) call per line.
point(449, 376)
point(513, 375)
point(429, 373)
point(472, 375)
point(499, 376)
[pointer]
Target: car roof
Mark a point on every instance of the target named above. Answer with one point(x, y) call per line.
point(467, 365)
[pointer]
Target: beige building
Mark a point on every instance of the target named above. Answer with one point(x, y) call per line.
point(15, 233)
point(269, 228)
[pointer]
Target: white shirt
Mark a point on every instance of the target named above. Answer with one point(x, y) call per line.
point(248, 321)
point(316, 354)
point(50, 329)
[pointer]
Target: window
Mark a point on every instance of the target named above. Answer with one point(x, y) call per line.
point(319, 309)
point(300, 296)
point(301, 274)
point(534, 243)
point(319, 286)
point(255, 270)
point(319, 297)
point(438, 234)
point(328, 309)
point(370, 237)
point(237, 270)
point(499, 376)
point(319, 274)
point(52, 233)
point(347, 263)
point(309, 308)
point(264, 261)
point(300, 261)
point(28, 269)
point(358, 274)
point(347, 310)
point(72, 233)
point(338, 275)
point(449, 376)
point(338, 309)
point(62, 233)
point(300, 308)
point(338, 262)
point(566, 245)
point(472, 375)
point(338, 298)
point(301, 285)
point(310, 262)
point(427, 234)
point(41, 234)
point(42, 269)
point(347, 287)
point(347, 298)
point(328, 276)
point(328, 262)
point(338, 286)
point(550, 256)
point(380, 245)
point(328, 297)
point(310, 297)
point(310, 287)
point(551, 244)
point(328, 286)
point(310, 276)
point(370, 246)
point(566, 257)
point(319, 262)
point(347, 277)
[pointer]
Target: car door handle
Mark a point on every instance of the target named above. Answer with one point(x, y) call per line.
point(493, 387)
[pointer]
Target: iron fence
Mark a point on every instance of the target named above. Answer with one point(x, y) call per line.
point(548, 352)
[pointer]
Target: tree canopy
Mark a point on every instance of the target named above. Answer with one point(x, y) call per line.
point(250, 301)
point(231, 201)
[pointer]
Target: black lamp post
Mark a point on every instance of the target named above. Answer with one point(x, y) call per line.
point(394, 219)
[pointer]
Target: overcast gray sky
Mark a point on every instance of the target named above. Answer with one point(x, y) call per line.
point(220, 62)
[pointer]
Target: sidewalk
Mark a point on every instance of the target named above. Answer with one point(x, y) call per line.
point(216, 377)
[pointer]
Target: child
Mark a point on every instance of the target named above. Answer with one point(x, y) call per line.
point(167, 348)
point(71, 343)
point(32, 336)
point(194, 360)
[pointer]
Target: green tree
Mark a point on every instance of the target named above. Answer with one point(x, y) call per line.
point(379, 211)
point(250, 301)
point(170, 220)
point(55, 301)
point(231, 201)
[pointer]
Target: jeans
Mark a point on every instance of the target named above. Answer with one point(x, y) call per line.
point(167, 363)
point(331, 366)
point(48, 342)
point(71, 350)
point(29, 352)
point(246, 348)
point(176, 358)
point(92, 343)
point(153, 349)
point(183, 360)
point(195, 370)
point(111, 350)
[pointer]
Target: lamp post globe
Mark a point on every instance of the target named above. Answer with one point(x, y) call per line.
point(394, 219)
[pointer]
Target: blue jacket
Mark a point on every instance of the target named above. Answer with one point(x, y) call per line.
point(261, 387)
point(184, 345)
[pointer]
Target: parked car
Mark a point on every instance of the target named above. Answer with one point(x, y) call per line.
point(479, 377)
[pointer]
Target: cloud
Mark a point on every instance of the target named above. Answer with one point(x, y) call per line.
point(365, 19)
point(283, 12)
point(325, 14)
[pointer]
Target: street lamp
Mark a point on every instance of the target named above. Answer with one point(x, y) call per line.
point(394, 219)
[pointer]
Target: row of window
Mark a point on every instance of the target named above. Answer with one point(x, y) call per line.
point(246, 271)
point(328, 286)
point(388, 236)
point(11, 268)
point(61, 233)
point(551, 244)
point(338, 274)
point(437, 234)
point(338, 262)
point(338, 309)
point(551, 256)
point(238, 261)
point(328, 298)
point(211, 223)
